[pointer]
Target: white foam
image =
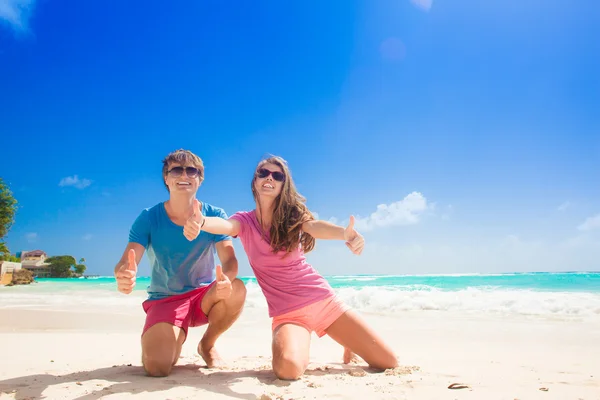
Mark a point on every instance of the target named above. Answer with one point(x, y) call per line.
point(381, 300)
point(488, 300)
point(389, 300)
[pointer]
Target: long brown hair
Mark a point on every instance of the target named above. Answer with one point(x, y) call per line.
point(289, 212)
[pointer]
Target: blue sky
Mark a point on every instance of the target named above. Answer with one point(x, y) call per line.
point(465, 136)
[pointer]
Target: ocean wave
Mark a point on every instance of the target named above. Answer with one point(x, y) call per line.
point(473, 300)
point(388, 300)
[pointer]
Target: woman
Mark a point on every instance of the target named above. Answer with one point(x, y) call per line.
point(275, 236)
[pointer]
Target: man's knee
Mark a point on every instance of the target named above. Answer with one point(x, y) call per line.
point(161, 345)
point(157, 366)
point(232, 305)
point(239, 291)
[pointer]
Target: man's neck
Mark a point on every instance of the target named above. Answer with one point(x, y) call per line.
point(180, 206)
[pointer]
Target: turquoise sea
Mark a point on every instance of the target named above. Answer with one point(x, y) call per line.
point(544, 294)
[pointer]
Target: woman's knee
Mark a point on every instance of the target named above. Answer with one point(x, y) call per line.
point(288, 367)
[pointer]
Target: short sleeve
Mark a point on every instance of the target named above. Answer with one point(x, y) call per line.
point(140, 230)
point(241, 217)
point(219, 212)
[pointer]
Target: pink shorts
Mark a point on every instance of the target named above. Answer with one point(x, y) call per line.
point(315, 317)
point(182, 310)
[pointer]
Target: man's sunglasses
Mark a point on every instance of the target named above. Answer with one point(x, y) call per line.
point(263, 173)
point(191, 172)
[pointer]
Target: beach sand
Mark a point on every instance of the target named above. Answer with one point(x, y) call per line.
point(95, 354)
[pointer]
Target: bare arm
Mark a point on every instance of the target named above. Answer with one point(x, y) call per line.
point(323, 230)
point(228, 259)
point(139, 252)
point(326, 230)
point(220, 226)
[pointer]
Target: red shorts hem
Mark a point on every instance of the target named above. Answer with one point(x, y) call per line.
point(181, 310)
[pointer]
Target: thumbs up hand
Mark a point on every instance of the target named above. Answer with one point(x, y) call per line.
point(193, 225)
point(223, 285)
point(127, 273)
point(354, 240)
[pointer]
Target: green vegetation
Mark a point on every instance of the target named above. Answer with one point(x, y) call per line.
point(8, 208)
point(9, 257)
point(65, 266)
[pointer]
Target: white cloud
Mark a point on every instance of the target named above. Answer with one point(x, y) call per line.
point(333, 220)
point(564, 206)
point(75, 181)
point(590, 223)
point(87, 236)
point(424, 5)
point(16, 12)
point(404, 212)
point(31, 237)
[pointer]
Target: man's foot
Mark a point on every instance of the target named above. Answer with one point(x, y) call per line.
point(349, 356)
point(210, 355)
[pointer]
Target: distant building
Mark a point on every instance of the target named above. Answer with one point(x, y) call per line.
point(34, 255)
point(34, 262)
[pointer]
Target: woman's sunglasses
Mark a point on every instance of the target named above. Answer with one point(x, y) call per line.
point(263, 173)
point(191, 172)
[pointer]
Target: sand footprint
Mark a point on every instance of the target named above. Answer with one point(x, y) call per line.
point(357, 372)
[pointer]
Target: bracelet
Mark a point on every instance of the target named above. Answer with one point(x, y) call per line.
point(203, 222)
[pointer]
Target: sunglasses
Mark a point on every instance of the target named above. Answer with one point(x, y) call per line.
point(191, 172)
point(263, 173)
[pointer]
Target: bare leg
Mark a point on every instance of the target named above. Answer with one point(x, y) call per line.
point(291, 348)
point(356, 336)
point(161, 346)
point(221, 315)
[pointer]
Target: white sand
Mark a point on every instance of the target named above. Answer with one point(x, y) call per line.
point(49, 354)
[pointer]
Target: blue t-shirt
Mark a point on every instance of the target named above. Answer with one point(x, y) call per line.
point(178, 265)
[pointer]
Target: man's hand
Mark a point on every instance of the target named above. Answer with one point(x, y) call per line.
point(127, 273)
point(192, 229)
point(223, 284)
point(354, 240)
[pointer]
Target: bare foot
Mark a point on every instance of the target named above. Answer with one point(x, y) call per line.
point(349, 356)
point(210, 355)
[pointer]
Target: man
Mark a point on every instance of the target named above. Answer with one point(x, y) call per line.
point(186, 289)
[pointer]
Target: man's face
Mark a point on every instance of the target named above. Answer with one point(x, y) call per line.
point(182, 178)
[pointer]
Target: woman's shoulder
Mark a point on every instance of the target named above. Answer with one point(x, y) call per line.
point(244, 216)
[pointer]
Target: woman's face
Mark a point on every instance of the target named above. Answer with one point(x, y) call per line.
point(269, 180)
